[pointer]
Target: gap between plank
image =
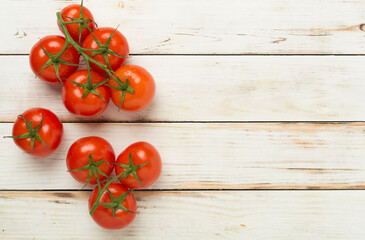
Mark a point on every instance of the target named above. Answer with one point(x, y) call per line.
point(204, 122)
point(187, 190)
point(219, 54)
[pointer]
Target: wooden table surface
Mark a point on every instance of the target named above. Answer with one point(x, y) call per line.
point(259, 117)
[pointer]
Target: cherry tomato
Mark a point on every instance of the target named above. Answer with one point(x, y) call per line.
point(73, 11)
point(145, 155)
point(142, 83)
point(46, 132)
point(94, 152)
point(118, 45)
point(53, 45)
point(104, 216)
point(92, 104)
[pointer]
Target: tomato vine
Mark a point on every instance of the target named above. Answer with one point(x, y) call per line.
point(129, 169)
point(103, 49)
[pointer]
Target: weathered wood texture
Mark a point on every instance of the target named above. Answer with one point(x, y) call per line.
point(202, 27)
point(235, 157)
point(211, 156)
point(191, 215)
point(211, 88)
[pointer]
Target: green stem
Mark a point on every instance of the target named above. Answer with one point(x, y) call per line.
point(87, 58)
point(75, 21)
point(58, 55)
point(96, 204)
point(89, 84)
point(129, 169)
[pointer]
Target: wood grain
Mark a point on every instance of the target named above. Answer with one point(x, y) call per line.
point(202, 27)
point(211, 156)
point(219, 180)
point(190, 215)
point(215, 88)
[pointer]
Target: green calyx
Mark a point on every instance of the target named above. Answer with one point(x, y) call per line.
point(103, 49)
point(32, 133)
point(131, 169)
point(83, 22)
point(117, 203)
point(124, 87)
point(89, 87)
point(55, 60)
point(93, 170)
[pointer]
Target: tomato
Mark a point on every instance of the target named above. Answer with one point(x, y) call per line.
point(124, 209)
point(94, 152)
point(118, 45)
point(143, 86)
point(53, 45)
point(42, 127)
point(91, 104)
point(144, 155)
point(73, 11)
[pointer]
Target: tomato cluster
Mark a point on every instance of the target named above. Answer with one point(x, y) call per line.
point(91, 160)
point(86, 92)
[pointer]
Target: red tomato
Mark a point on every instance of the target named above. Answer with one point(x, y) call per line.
point(92, 104)
point(104, 216)
point(145, 155)
point(38, 57)
point(73, 11)
point(50, 132)
point(142, 83)
point(118, 45)
point(79, 154)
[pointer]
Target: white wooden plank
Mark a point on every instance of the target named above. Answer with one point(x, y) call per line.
point(199, 27)
point(191, 215)
point(211, 156)
point(212, 88)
